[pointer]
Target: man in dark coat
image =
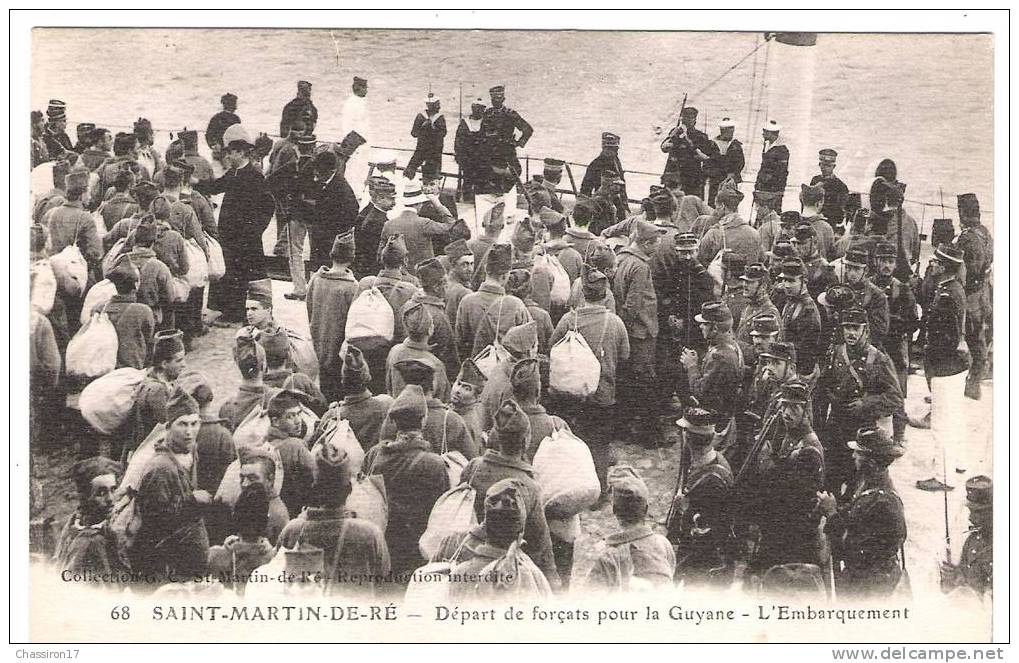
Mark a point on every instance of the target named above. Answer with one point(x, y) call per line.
point(86, 543)
point(801, 323)
point(299, 107)
point(978, 253)
point(55, 134)
point(836, 193)
point(607, 161)
point(221, 120)
point(715, 379)
point(857, 387)
point(689, 149)
point(729, 161)
point(975, 569)
point(699, 517)
point(246, 209)
point(467, 145)
point(369, 224)
point(902, 322)
point(868, 526)
point(429, 129)
point(500, 125)
point(774, 170)
point(332, 208)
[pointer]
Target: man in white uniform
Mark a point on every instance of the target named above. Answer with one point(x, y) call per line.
point(355, 117)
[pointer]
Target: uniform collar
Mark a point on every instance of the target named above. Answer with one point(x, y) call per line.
point(351, 399)
point(495, 457)
point(491, 288)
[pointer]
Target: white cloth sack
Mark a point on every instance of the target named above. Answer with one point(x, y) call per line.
point(71, 270)
point(489, 359)
point(560, 290)
point(139, 460)
point(370, 315)
point(217, 264)
point(92, 352)
point(368, 500)
point(97, 296)
point(111, 256)
point(97, 218)
point(453, 512)
point(574, 370)
point(180, 289)
point(198, 265)
point(565, 472)
point(107, 402)
point(338, 434)
point(253, 429)
point(303, 358)
point(44, 286)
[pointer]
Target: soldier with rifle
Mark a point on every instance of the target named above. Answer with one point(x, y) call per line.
point(978, 252)
point(868, 527)
point(698, 521)
point(786, 467)
point(975, 569)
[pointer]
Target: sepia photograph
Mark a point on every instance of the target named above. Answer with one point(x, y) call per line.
point(473, 329)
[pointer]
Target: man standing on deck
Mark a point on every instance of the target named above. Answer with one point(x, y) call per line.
point(689, 149)
point(836, 193)
point(466, 148)
point(430, 131)
point(220, 121)
point(728, 162)
point(774, 170)
point(499, 125)
point(300, 107)
point(978, 252)
point(354, 116)
point(607, 161)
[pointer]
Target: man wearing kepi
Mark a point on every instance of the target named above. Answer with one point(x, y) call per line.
point(430, 131)
point(689, 149)
point(499, 125)
point(607, 161)
point(221, 121)
point(300, 107)
point(716, 379)
point(868, 527)
point(857, 387)
point(172, 540)
point(902, 322)
point(246, 209)
point(637, 305)
point(835, 190)
point(975, 569)
point(978, 253)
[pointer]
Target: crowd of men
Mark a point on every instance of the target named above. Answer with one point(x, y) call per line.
point(780, 347)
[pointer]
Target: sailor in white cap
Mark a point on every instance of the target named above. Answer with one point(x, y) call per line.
point(729, 162)
point(774, 169)
point(430, 130)
point(467, 147)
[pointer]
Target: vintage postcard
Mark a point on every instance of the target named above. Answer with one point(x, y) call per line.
point(462, 329)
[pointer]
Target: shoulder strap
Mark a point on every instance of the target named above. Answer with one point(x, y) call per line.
point(445, 420)
point(336, 557)
point(604, 327)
